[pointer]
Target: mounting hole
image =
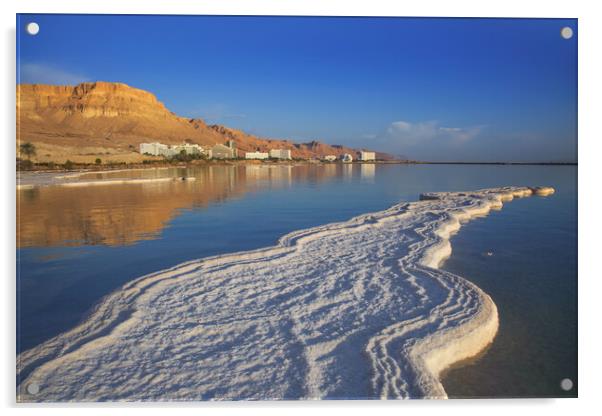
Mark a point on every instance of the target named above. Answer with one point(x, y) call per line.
point(566, 384)
point(33, 388)
point(32, 28)
point(566, 32)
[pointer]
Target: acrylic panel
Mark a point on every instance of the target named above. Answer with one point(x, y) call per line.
point(295, 208)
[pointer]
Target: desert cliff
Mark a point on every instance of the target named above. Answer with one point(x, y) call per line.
point(110, 120)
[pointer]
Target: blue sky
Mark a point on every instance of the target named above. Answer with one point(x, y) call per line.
point(428, 88)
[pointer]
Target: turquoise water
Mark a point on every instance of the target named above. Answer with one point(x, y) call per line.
point(69, 260)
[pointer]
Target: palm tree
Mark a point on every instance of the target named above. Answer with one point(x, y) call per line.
point(27, 149)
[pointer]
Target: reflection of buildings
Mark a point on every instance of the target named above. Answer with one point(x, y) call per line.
point(275, 175)
point(330, 169)
point(347, 171)
point(367, 171)
point(126, 213)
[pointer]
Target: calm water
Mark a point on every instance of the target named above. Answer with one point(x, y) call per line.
point(78, 244)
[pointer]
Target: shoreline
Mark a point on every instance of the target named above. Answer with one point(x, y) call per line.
point(137, 166)
point(57, 177)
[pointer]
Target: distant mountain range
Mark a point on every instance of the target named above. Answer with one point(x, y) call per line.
point(110, 120)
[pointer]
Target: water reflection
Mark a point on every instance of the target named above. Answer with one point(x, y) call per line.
point(121, 214)
point(347, 170)
point(367, 171)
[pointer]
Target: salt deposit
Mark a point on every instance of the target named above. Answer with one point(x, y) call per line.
point(543, 190)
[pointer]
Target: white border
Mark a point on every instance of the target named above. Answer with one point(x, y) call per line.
point(466, 8)
point(590, 68)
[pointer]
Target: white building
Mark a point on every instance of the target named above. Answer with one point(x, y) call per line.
point(190, 149)
point(330, 158)
point(154, 149)
point(220, 151)
point(367, 156)
point(256, 155)
point(346, 158)
point(169, 152)
point(280, 154)
point(160, 149)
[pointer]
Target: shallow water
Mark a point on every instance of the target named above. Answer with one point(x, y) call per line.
point(78, 244)
point(525, 257)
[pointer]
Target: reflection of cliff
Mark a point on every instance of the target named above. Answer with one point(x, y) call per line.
point(124, 214)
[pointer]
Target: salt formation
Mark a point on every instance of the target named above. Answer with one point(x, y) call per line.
point(357, 309)
point(543, 190)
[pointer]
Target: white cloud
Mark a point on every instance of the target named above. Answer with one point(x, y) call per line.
point(429, 133)
point(35, 73)
point(433, 141)
point(429, 140)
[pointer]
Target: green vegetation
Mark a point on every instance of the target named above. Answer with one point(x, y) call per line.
point(113, 164)
point(68, 165)
point(27, 149)
point(186, 157)
point(24, 164)
point(98, 161)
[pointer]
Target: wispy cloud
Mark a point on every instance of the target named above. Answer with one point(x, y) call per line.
point(432, 141)
point(410, 134)
point(428, 140)
point(38, 73)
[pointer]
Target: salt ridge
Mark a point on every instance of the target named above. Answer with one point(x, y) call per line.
point(356, 309)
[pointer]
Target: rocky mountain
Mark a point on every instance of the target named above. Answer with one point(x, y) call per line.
point(110, 120)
